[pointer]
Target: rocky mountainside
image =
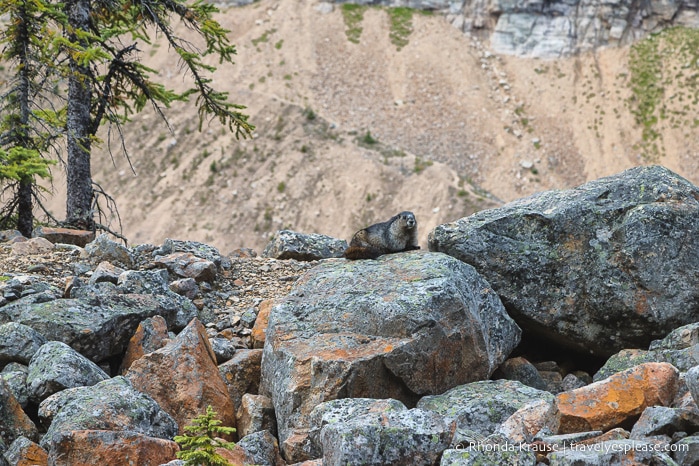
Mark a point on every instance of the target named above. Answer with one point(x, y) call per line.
point(574, 340)
point(358, 119)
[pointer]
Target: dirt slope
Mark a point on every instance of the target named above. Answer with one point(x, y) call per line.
point(453, 128)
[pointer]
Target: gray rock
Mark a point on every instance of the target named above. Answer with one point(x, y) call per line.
point(248, 318)
point(242, 374)
point(287, 244)
point(571, 382)
point(680, 348)
point(155, 283)
point(18, 343)
point(57, 366)
point(98, 327)
point(561, 441)
point(686, 451)
point(104, 249)
point(691, 378)
point(681, 338)
point(109, 405)
point(611, 452)
point(394, 437)
point(17, 383)
point(504, 454)
point(580, 266)
point(483, 406)
point(187, 265)
point(660, 420)
point(91, 292)
point(559, 28)
point(342, 410)
point(105, 272)
point(224, 349)
point(186, 287)
point(15, 367)
point(261, 448)
point(396, 327)
point(201, 250)
point(521, 370)
point(28, 288)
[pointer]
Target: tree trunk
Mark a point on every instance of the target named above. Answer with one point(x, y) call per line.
point(25, 213)
point(78, 173)
point(25, 216)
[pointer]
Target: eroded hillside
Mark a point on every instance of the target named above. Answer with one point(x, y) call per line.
point(353, 128)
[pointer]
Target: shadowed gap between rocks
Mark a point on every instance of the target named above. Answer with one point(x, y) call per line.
point(535, 348)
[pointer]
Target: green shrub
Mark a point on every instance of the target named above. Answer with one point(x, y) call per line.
point(201, 439)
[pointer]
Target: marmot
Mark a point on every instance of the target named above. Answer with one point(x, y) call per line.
point(396, 235)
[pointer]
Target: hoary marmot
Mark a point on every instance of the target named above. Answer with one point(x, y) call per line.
point(395, 235)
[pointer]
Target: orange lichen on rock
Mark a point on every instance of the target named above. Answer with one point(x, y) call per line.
point(259, 330)
point(618, 399)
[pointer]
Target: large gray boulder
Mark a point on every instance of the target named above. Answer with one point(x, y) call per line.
point(609, 265)
point(57, 366)
point(412, 436)
point(98, 326)
point(481, 407)
point(18, 343)
point(399, 327)
point(155, 283)
point(344, 410)
point(680, 348)
point(104, 249)
point(112, 404)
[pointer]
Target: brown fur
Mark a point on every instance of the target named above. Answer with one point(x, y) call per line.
point(395, 235)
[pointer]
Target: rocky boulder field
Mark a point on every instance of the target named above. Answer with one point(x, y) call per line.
point(560, 329)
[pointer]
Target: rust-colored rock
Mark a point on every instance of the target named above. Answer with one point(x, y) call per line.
point(183, 378)
point(24, 452)
point(90, 447)
point(527, 421)
point(618, 399)
point(65, 235)
point(242, 374)
point(13, 421)
point(151, 335)
point(259, 330)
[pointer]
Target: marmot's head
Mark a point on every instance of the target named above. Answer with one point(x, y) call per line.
point(408, 219)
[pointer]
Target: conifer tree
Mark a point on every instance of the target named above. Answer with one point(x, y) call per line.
point(92, 45)
point(107, 82)
point(202, 439)
point(27, 128)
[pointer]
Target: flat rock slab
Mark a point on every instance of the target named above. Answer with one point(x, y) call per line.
point(97, 327)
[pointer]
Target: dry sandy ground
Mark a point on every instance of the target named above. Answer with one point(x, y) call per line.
point(458, 129)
